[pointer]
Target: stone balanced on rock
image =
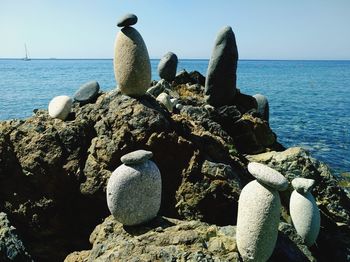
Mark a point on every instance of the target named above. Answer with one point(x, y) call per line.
point(258, 216)
point(167, 66)
point(262, 106)
point(304, 211)
point(87, 93)
point(134, 189)
point(60, 107)
point(220, 84)
point(132, 66)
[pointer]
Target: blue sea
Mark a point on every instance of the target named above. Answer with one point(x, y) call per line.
point(309, 100)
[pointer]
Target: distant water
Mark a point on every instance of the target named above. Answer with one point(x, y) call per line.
point(309, 100)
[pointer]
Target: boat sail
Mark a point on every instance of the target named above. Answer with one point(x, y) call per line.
point(26, 58)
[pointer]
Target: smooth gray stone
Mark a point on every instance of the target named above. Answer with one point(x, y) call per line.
point(263, 106)
point(303, 185)
point(132, 67)
point(134, 193)
point(220, 84)
point(136, 157)
point(268, 176)
point(127, 20)
point(87, 92)
point(167, 66)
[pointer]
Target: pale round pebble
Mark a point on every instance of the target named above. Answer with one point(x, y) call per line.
point(164, 98)
point(268, 176)
point(60, 107)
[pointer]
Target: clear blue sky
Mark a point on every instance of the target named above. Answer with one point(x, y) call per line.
point(271, 29)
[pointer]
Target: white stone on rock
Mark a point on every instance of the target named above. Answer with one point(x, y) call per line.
point(134, 193)
point(304, 212)
point(136, 157)
point(60, 107)
point(165, 99)
point(132, 66)
point(302, 185)
point(257, 221)
point(268, 176)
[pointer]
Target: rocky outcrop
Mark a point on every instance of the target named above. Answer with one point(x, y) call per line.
point(11, 247)
point(53, 173)
point(166, 239)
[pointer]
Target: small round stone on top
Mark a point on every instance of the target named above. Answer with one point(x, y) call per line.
point(268, 176)
point(127, 20)
point(136, 157)
point(302, 185)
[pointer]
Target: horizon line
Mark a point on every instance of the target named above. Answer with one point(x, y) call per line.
point(243, 59)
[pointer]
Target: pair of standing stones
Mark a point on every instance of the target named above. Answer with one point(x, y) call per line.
point(259, 212)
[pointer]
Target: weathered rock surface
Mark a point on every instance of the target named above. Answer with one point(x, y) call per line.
point(132, 67)
point(167, 66)
point(220, 85)
point(166, 239)
point(11, 247)
point(53, 174)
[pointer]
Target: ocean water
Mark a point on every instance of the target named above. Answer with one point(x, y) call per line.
point(309, 100)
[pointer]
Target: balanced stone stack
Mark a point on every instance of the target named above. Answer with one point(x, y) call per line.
point(258, 216)
point(167, 66)
point(60, 107)
point(134, 189)
point(132, 67)
point(87, 93)
point(304, 211)
point(220, 84)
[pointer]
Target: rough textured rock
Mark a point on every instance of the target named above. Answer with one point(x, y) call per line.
point(87, 93)
point(220, 85)
point(257, 222)
point(132, 67)
point(166, 239)
point(134, 192)
point(262, 106)
point(60, 107)
point(127, 20)
point(11, 247)
point(167, 66)
point(304, 210)
point(268, 176)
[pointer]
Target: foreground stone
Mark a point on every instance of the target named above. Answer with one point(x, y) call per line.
point(134, 189)
point(132, 67)
point(220, 85)
point(304, 210)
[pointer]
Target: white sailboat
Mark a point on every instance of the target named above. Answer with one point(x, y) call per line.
point(26, 58)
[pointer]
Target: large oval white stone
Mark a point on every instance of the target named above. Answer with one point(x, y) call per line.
point(60, 107)
point(305, 216)
point(134, 193)
point(132, 67)
point(257, 221)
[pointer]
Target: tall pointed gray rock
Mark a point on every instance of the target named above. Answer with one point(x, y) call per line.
point(220, 84)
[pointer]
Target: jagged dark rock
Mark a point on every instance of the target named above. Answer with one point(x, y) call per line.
point(53, 174)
